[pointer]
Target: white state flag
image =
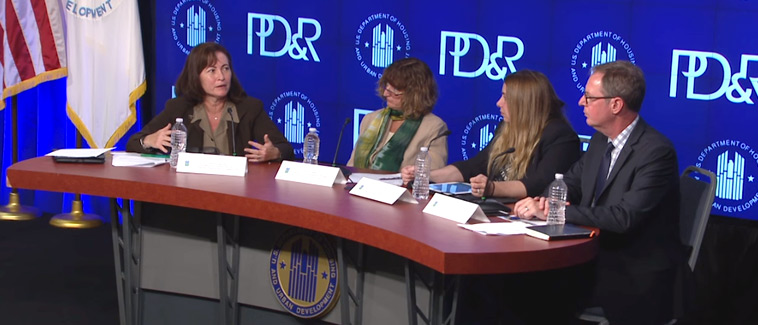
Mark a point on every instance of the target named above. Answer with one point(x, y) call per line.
point(106, 68)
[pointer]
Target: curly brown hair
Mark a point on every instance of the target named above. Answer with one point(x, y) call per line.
point(203, 56)
point(414, 78)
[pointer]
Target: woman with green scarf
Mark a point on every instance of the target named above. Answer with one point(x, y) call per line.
point(390, 138)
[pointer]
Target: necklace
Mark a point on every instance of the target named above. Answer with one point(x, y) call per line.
point(215, 116)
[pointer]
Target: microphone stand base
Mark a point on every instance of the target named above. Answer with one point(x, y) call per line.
point(494, 207)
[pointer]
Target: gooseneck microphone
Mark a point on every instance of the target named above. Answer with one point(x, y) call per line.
point(339, 141)
point(491, 172)
point(346, 172)
point(491, 206)
point(234, 139)
point(443, 134)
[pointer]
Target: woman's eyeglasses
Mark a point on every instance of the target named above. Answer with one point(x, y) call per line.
point(392, 91)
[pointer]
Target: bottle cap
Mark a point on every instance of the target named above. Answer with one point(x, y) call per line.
point(424, 149)
point(179, 119)
point(558, 176)
point(311, 129)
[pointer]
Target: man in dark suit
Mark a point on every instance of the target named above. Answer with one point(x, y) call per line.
point(627, 185)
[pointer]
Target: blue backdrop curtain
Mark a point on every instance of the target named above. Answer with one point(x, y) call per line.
point(43, 126)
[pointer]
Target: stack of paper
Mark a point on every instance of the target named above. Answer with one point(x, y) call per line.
point(78, 153)
point(514, 226)
point(131, 159)
point(496, 228)
point(394, 179)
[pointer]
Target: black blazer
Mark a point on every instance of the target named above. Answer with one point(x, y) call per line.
point(556, 151)
point(637, 211)
point(253, 124)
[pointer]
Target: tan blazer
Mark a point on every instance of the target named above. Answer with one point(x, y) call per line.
point(429, 128)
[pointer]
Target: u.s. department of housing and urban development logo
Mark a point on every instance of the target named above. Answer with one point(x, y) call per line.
point(194, 22)
point(478, 133)
point(594, 49)
point(294, 112)
point(381, 39)
point(735, 164)
point(304, 273)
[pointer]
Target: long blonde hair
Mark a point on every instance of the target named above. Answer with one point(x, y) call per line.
point(532, 102)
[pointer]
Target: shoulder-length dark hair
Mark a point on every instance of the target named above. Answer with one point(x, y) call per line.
point(414, 78)
point(203, 56)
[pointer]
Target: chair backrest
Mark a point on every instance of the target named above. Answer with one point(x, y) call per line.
point(584, 143)
point(697, 189)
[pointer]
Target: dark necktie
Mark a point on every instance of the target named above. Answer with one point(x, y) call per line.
point(602, 174)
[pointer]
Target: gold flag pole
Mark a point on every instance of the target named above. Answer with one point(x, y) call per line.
point(76, 218)
point(14, 210)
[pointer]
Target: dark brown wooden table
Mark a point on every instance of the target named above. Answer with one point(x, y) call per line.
point(402, 228)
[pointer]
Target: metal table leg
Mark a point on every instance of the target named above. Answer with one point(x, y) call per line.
point(127, 251)
point(228, 271)
point(443, 298)
point(349, 297)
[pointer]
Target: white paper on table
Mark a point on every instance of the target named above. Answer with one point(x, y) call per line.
point(394, 179)
point(132, 159)
point(526, 223)
point(496, 228)
point(78, 153)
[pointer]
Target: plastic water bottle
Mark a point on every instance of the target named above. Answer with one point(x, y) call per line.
point(311, 145)
point(178, 140)
point(421, 176)
point(557, 201)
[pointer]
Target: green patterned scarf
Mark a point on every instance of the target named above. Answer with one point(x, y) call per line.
point(390, 156)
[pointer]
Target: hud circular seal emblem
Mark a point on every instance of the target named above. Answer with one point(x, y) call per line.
point(194, 22)
point(594, 49)
point(381, 39)
point(294, 112)
point(478, 134)
point(304, 273)
point(735, 164)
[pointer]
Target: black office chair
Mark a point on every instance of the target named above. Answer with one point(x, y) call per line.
point(584, 143)
point(693, 218)
point(696, 185)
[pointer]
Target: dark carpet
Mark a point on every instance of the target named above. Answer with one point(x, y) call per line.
point(50, 275)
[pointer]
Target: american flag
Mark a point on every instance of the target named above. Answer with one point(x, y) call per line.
point(33, 48)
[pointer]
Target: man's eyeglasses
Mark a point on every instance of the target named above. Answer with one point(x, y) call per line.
point(587, 99)
point(393, 92)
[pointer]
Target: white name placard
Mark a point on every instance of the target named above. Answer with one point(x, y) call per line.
point(454, 209)
point(310, 174)
point(199, 163)
point(381, 191)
